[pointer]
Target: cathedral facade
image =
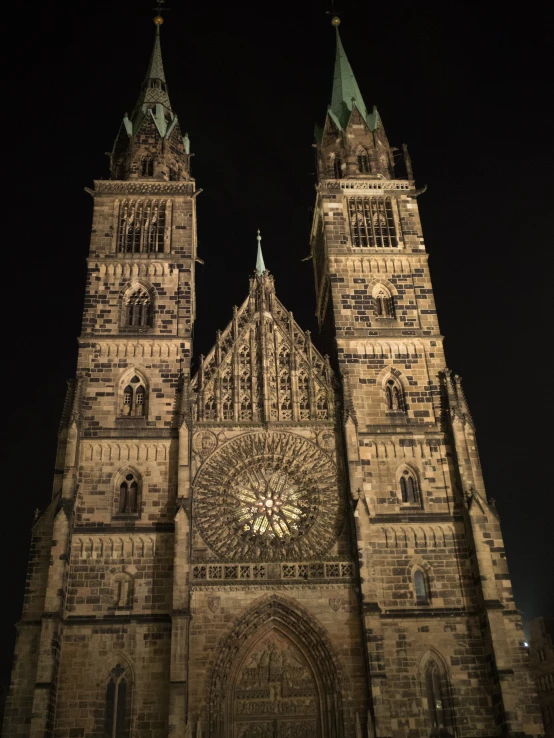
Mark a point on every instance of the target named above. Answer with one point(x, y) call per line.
point(285, 544)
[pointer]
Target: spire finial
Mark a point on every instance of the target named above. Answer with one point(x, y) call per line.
point(260, 266)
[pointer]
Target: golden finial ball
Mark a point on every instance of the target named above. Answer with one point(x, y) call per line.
point(158, 20)
point(335, 21)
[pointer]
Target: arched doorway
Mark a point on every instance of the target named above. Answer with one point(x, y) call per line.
point(276, 676)
point(275, 694)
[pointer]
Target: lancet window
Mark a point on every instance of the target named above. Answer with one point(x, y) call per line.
point(372, 222)
point(134, 398)
point(137, 308)
point(383, 302)
point(141, 226)
point(394, 397)
point(337, 167)
point(362, 160)
point(173, 172)
point(147, 167)
point(438, 703)
point(129, 495)
point(420, 588)
point(118, 697)
point(408, 488)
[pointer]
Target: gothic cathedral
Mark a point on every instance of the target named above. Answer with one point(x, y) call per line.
point(285, 544)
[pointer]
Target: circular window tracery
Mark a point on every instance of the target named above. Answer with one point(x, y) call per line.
point(270, 496)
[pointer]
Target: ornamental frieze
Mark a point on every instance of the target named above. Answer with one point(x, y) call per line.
point(143, 188)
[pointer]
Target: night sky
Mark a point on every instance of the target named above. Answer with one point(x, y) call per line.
point(468, 87)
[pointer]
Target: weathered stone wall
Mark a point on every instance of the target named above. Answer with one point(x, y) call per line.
point(468, 623)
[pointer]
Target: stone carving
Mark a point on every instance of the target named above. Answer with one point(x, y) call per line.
point(268, 496)
point(144, 188)
point(204, 443)
point(316, 656)
point(213, 603)
point(326, 440)
point(335, 603)
point(275, 680)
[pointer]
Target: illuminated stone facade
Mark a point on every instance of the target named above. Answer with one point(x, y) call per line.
point(283, 545)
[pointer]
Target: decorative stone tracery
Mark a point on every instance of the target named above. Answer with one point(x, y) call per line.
point(268, 496)
point(276, 672)
point(264, 367)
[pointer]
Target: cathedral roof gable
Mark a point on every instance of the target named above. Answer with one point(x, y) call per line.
point(263, 366)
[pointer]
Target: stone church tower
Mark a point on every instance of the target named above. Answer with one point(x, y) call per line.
point(284, 545)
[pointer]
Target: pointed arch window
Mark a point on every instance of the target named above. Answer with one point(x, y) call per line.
point(337, 167)
point(420, 588)
point(438, 702)
point(173, 172)
point(141, 226)
point(134, 398)
point(394, 396)
point(372, 222)
point(362, 160)
point(118, 696)
point(129, 495)
point(383, 304)
point(147, 166)
point(408, 488)
point(137, 309)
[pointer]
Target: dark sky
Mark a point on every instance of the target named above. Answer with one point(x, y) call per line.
point(467, 86)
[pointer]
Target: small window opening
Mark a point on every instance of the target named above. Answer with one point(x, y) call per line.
point(116, 715)
point(408, 488)
point(363, 163)
point(128, 495)
point(420, 586)
point(147, 164)
point(393, 396)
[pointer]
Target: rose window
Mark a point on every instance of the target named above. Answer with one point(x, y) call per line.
point(269, 496)
point(271, 504)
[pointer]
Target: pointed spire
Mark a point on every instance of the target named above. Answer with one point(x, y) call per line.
point(260, 265)
point(346, 92)
point(154, 87)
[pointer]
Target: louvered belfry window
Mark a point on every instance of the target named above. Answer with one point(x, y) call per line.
point(141, 226)
point(372, 222)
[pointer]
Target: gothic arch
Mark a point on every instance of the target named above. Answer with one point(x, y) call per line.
point(436, 691)
point(409, 485)
point(275, 616)
point(124, 381)
point(386, 284)
point(115, 665)
point(132, 286)
point(120, 478)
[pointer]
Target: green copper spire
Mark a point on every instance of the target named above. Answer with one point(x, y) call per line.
point(260, 266)
point(154, 87)
point(346, 92)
